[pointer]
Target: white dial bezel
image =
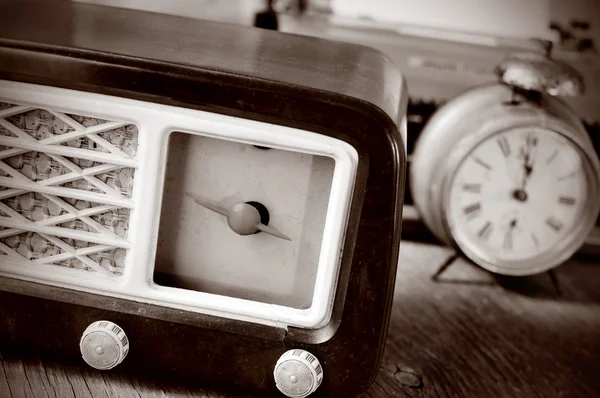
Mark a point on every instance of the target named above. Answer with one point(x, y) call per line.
point(559, 253)
point(155, 123)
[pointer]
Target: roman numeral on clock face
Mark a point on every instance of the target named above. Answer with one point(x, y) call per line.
point(531, 140)
point(482, 163)
point(567, 176)
point(485, 231)
point(554, 224)
point(473, 188)
point(552, 157)
point(535, 240)
point(504, 146)
point(472, 210)
point(566, 200)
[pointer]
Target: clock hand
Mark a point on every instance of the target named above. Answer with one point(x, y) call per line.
point(525, 153)
point(527, 169)
point(243, 219)
point(519, 194)
point(271, 231)
point(209, 205)
point(528, 166)
point(530, 142)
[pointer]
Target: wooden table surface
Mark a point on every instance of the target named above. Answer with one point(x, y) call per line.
point(461, 334)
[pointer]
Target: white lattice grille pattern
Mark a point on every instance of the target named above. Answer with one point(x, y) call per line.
point(66, 186)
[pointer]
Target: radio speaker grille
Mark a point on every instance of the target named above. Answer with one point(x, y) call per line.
point(66, 184)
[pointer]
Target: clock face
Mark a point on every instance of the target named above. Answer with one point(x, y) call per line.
point(517, 199)
point(215, 194)
point(254, 224)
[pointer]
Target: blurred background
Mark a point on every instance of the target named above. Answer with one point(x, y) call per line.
point(442, 47)
point(507, 18)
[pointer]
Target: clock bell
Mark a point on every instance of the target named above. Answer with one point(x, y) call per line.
point(200, 201)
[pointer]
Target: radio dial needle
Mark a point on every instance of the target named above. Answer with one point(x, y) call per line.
point(243, 218)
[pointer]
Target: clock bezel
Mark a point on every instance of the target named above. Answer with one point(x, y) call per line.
point(558, 253)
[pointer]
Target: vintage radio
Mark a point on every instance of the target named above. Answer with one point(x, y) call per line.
point(502, 140)
point(200, 201)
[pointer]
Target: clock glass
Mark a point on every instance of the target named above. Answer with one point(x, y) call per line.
point(519, 197)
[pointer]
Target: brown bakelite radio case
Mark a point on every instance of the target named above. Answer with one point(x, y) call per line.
point(205, 202)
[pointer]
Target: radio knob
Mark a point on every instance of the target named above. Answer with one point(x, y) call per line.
point(298, 373)
point(104, 345)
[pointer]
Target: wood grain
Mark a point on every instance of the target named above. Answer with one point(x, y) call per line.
point(465, 334)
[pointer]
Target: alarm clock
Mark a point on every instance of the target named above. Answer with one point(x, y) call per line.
point(507, 173)
point(482, 113)
point(207, 202)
